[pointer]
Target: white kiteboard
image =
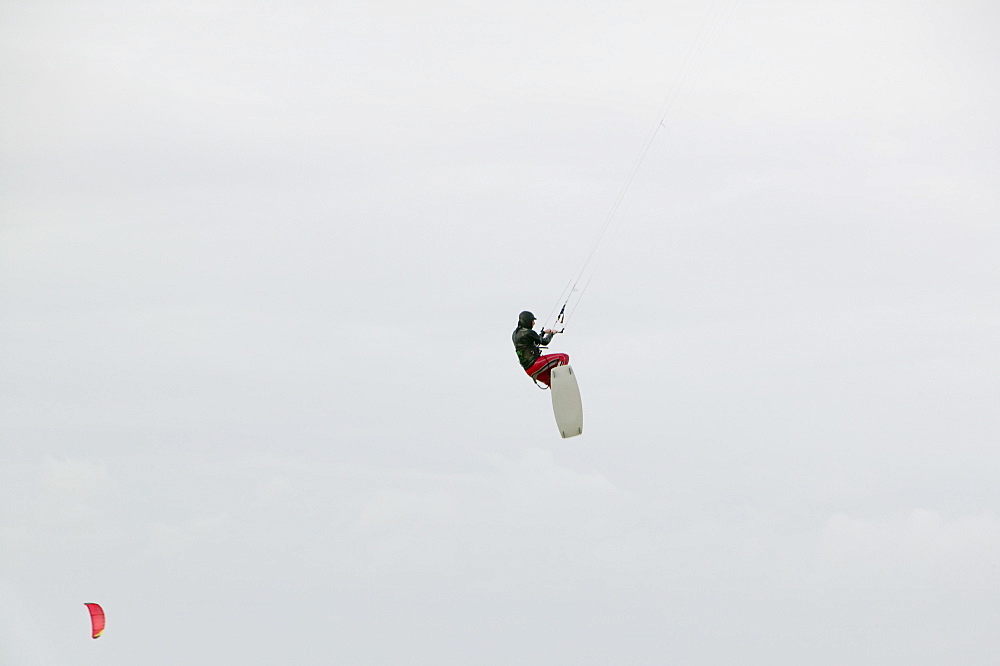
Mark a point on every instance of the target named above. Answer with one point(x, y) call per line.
point(566, 402)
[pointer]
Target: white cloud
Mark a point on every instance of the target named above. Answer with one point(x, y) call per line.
point(59, 495)
point(73, 478)
point(922, 549)
point(403, 519)
point(176, 540)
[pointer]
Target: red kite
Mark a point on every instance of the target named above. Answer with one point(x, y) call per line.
point(96, 619)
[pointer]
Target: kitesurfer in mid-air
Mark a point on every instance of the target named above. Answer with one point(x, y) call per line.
point(528, 343)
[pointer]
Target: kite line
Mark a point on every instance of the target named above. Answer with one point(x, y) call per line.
point(680, 89)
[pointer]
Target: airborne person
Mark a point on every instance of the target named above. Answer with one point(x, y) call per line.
point(528, 343)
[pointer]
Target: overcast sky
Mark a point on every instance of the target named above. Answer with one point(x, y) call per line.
point(259, 266)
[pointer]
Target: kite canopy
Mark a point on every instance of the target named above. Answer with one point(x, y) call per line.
point(96, 619)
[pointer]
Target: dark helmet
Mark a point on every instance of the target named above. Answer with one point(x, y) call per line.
point(526, 319)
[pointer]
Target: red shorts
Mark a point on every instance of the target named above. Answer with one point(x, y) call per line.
point(541, 368)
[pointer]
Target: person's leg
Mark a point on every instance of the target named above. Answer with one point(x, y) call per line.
point(542, 368)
